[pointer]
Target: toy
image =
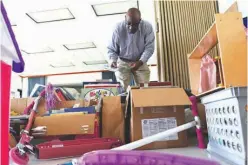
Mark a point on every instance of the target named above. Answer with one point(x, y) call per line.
point(68, 148)
point(18, 155)
point(11, 60)
point(139, 158)
point(108, 157)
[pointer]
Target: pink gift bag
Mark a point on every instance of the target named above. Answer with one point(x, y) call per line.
point(207, 74)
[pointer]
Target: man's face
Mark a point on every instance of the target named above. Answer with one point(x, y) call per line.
point(132, 20)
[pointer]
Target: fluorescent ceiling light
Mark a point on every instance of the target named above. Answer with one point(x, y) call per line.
point(86, 45)
point(114, 8)
point(51, 15)
point(62, 65)
point(38, 50)
point(95, 62)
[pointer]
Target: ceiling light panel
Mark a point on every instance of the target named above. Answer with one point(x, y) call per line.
point(51, 15)
point(62, 65)
point(99, 62)
point(86, 45)
point(33, 50)
point(114, 8)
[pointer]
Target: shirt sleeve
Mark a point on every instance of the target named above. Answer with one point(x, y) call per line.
point(149, 44)
point(113, 47)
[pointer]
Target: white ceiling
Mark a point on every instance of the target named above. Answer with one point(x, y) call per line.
point(86, 27)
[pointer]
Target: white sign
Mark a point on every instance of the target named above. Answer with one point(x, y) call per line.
point(157, 125)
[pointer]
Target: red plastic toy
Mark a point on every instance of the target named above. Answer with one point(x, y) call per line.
point(68, 148)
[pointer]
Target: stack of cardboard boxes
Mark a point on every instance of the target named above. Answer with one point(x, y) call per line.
point(143, 112)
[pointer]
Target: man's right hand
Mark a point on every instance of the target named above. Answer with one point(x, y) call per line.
point(114, 65)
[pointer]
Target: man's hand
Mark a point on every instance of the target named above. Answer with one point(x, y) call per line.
point(113, 65)
point(136, 66)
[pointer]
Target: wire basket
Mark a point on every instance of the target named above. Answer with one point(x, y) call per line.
point(226, 114)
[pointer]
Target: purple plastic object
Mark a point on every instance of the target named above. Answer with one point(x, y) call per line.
point(199, 134)
point(110, 157)
point(16, 67)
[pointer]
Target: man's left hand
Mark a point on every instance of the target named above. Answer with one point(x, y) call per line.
point(137, 65)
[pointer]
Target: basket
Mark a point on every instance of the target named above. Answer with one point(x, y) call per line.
point(109, 157)
point(226, 114)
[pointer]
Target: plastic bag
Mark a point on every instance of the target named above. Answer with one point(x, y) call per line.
point(207, 74)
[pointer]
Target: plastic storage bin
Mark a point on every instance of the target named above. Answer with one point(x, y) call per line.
point(226, 113)
point(139, 158)
point(11, 60)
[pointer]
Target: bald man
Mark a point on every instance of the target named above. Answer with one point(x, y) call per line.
point(131, 46)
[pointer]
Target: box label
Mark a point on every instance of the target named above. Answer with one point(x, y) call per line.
point(158, 110)
point(154, 126)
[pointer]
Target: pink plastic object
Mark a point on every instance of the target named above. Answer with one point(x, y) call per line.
point(18, 155)
point(30, 106)
point(5, 96)
point(199, 134)
point(69, 148)
point(16, 158)
point(50, 97)
point(207, 74)
point(139, 158)
point(11, 60)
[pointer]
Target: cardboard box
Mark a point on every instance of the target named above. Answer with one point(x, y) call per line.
point(112, 117)
point(67, 124)
point(18, 105)
point(154, 110)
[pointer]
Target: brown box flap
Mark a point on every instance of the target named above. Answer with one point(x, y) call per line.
point(159, 97)
point(18, 104)
point(113, 118)
point(67, 124)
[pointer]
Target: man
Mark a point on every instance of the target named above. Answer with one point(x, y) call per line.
point(131, 46)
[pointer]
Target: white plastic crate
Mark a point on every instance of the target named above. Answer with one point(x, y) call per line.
point(227, 124)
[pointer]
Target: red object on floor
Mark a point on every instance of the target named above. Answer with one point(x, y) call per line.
point(69, 148)
point(5, 101)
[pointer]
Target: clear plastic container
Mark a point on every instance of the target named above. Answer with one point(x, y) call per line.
point(11, 60)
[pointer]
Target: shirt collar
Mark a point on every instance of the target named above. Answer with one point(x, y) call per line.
point(141, 22)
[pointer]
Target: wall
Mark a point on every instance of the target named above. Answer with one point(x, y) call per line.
point(25, 87)
point(242, 5)
point(16, 83)
point(74, 78)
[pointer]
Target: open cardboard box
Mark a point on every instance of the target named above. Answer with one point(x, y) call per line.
point(67, 124)
point(112, 109)
point(18, 105)
point(60, 124)
point(154, 110)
